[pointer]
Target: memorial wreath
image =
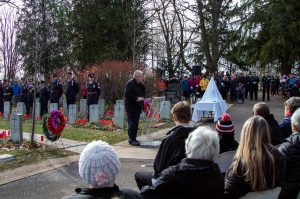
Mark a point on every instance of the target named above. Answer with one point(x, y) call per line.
point(53, 125)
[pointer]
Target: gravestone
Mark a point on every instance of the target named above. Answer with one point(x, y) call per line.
point(119, 116)
point(37, 109)
point(119, 102)
point(16, 129)
point(101, 103)
point(53, 106)
point(165, 107)
point(72, 113)
point(21, 109)
point(83, 107)
point(6, 112)
point(94, 112)
point(65, 107)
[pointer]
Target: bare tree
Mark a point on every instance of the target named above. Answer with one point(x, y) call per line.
point(8, 2)
point(9, 53)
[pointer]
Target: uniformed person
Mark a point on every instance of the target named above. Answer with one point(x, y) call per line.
point(254, 86)
point(44, 98)
point(24, 94)
point(93, 90)
point(72, 89)
point(266, 81)
point(248, 85)
point(7, 91)
point(56, 90)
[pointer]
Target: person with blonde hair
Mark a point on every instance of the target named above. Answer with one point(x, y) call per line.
point(257, 165)
point(171, 150)
point(196, 176)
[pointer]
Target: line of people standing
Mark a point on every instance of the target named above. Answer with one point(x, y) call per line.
point(46, 93)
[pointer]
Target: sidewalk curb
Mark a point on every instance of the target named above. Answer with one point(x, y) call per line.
point(33, 169)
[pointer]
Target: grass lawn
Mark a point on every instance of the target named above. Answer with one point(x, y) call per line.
point(29, 156)
point(87, 135)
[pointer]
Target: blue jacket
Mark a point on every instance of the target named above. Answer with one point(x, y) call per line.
point(285, 127)
point(16, 89)
point(185, 85)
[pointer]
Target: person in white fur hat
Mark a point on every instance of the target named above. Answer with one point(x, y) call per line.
point(99, 166)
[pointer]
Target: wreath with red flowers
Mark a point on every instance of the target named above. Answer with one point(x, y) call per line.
point(53, 125)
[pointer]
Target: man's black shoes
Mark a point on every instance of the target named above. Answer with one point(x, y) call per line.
point(134, 143)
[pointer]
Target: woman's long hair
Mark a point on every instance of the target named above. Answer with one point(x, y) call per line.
point(252, 153)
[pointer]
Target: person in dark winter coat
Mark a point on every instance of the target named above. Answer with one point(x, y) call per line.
point(290, 106)
point(56, 90)
point(224, 87)
point(225, 129)
point(262, 109)
point(172, 147)
point(99, 166)
point(44, 98)
point(254, 170)
point(290, 148)
point(196, 176)
point(72, 89)
point(134, 104)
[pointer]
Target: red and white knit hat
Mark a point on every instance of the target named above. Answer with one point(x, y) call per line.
point(224, 125)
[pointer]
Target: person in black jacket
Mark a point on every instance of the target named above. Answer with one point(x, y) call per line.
point(172, 148)
point(134, 104)
point(290, 106)
point(72, 89)
point(262, 109)
point(290, 148)
point(99, 166)
point(225, 129)
point(44, 98)
point(196, 176)
point(266, 81)
point(56, 90)
point(257, 165)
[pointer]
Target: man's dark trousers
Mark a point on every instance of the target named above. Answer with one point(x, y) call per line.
point(266, 89)
point(133, 123)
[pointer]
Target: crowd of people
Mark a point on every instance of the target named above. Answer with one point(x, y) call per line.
point(240, 86)
point(266, 157)
point(53, 92)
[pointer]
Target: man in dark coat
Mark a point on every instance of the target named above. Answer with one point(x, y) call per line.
point(262, 109)
point(44, 98)
point(72, 89)
point(290, 148)
point(24, 95)
point(266, 81)
point(134, 104)
point(30, 94)
point(93, 90)
point(254, 79)
point(7, 91)
point(172, 148)
point(56, 90)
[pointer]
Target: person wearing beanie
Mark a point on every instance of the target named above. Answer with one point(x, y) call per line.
point(225, 129)
point(99, 166)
